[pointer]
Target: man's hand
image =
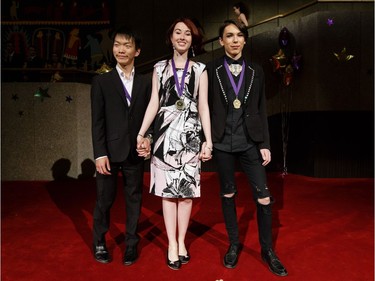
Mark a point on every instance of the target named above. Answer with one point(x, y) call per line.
point(102, 166)
point(266, 155)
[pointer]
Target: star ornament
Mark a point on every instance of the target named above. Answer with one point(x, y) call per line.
point(343, 55)
point(284, 37)
point(296, 61)
point(278, 60)
point(68, 99)
point(42, 93)
point(288, 75)
point(103, 69)
point(330, 22)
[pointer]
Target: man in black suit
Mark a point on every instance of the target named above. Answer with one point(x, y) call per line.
point(118, 100)
point(240, 131)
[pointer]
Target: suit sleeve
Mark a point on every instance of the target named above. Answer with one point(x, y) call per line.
point(98, 119)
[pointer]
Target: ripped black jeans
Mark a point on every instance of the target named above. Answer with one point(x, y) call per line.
point(251, 162)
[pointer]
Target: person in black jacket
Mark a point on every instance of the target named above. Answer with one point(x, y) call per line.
point(118, 100)
point(238, 105)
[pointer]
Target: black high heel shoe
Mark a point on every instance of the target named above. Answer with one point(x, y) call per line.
point(175, 265)
point(184, 259)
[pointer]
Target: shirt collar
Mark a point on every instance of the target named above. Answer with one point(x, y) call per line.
point(232, 61)
point(122, 74)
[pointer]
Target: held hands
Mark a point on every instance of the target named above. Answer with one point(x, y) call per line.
point(266, 155)
point(102, 166)
point(143, 146)
point(206, 152)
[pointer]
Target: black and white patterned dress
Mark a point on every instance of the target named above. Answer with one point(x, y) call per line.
point(175, 166)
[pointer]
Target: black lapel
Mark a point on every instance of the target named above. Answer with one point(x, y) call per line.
point(137, 84)
point(249, 79)
point(222, 78)
point(119, 86)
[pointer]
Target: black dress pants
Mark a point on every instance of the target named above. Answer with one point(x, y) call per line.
point(132, 175)
point(251, 162)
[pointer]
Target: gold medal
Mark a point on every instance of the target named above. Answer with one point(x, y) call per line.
point(236, 103)
point(180, 104)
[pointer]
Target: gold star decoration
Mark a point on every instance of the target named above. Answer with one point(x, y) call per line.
point(56, 77)
point(278, 60)
point(343, 56)
point(103, 69)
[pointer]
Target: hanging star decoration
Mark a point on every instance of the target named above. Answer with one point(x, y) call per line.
point(15, 97)
point(288, 75)
point(278, 60)
point(56, 77)
point(103, 69)
point(42, 93)
point(286, 62)
point(343, 56)
point(330, 22)
point(284, 38)
point(68, 99)
point(296, 61)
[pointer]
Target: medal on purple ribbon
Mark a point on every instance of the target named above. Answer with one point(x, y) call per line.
point(180, 105)
point(236, 103)
point(236, 87)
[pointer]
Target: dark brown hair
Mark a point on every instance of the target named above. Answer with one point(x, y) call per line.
point(243, 9)
point(243, 29)
point(195, 34)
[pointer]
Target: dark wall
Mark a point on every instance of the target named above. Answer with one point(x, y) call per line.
point(155, 16)
point(325, 144)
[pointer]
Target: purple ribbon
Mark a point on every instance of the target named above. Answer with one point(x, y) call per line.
point(237, 87)
point(128, 97)
point(180, 87)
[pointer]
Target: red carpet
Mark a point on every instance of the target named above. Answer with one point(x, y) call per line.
point(323, 230)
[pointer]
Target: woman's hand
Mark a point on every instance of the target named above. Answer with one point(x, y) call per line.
point(143, 146)
point(206, 152)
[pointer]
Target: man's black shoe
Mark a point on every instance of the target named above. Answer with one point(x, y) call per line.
point(273, 262)
point(101, 254)
point(131, 255)
point(231, 256)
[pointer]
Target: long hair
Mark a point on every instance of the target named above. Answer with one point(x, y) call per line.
point(243, 8)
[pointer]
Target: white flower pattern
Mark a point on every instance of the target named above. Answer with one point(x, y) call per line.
point(175, 165)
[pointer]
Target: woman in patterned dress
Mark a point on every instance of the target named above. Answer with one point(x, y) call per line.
point(178, 110)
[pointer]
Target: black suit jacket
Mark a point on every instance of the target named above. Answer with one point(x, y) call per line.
point(115, 125)
point(255, 114)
